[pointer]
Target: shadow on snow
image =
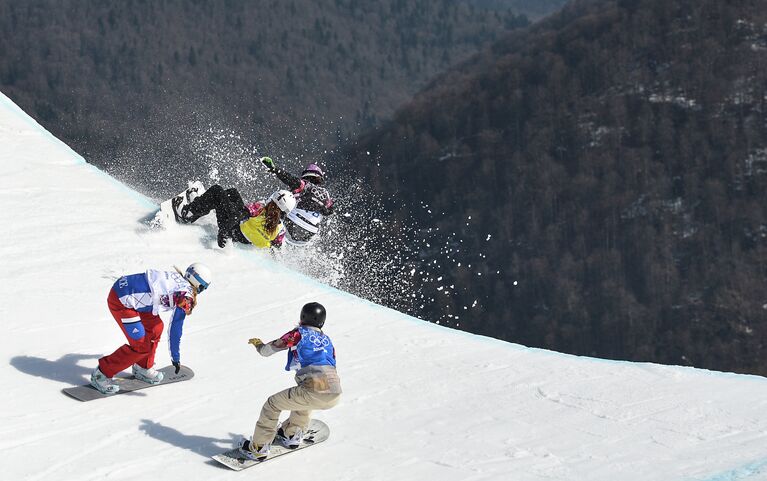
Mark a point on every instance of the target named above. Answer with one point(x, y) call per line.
point(202, 445)
point(65, 369)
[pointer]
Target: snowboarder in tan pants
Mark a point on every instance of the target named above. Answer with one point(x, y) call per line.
point(311, 353)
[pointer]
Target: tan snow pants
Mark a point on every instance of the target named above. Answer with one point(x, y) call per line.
point(300, 402)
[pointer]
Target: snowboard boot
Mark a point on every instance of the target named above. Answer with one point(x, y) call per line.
point(253, 452)
point(102, 383)
point(290, 442)
point(191, 194)
point(183, 213)
point(147, 375)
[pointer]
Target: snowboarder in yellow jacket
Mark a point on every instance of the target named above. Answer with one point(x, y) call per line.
point(257, 223)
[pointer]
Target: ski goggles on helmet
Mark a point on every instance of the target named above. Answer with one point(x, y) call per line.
point(201, 284)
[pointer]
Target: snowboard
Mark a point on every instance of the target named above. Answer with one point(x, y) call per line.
point(167, 214)
point(87, 392)
point(316, 433)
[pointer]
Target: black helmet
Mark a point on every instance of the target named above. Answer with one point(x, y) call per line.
point(313, 314)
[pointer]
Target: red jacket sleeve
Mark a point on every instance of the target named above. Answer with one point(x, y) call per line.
point(291, 338)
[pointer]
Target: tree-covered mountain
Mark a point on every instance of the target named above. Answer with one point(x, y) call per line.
point(596, 183)
point(533, 9)
point(136, 86)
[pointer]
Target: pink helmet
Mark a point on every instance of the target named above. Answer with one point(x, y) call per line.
point(313, 173)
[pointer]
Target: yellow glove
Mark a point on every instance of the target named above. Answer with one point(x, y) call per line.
point(256, 342)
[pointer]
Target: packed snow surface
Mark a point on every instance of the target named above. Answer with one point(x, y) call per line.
point(421, 402)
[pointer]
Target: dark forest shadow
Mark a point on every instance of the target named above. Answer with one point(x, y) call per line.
point(65, 369)
point(202, 445)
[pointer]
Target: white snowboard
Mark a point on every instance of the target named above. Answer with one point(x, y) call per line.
point(316, 433)
point(167, 215)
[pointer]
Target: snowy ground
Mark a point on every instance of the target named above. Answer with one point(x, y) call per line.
point(421, 402)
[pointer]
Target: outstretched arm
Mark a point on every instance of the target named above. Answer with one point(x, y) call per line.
point(293, 182)
point(286, 341)
point(287, 178)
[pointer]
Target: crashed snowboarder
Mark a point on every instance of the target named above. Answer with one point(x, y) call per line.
point(257, 223)
point(314, 202)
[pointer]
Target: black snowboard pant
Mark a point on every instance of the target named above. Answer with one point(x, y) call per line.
point(230, 211)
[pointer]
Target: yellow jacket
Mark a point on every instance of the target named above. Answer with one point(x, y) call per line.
point(257, 234)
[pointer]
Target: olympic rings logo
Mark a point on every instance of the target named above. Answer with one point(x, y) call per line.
point(319, 341)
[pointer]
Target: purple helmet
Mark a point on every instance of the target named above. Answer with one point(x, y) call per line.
point(313, 173)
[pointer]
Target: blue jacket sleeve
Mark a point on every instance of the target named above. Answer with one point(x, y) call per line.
point(174, 333)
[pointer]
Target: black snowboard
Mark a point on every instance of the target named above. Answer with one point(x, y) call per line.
point(128, 384)
point(315, 434)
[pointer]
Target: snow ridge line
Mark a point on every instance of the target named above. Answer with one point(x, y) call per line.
point(743, 472)
point(9, 105)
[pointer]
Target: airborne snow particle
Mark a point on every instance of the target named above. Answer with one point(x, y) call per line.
point(515, 283)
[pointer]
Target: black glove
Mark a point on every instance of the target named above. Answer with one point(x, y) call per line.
point(221, 238)
point(177, 365)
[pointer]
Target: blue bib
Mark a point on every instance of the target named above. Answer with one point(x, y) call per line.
point(136, 288)
point(314, 349)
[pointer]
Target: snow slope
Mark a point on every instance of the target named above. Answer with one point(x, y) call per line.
point(421, 401)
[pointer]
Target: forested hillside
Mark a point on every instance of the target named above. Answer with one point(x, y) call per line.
point(533, 9)
point(140, 87)
point(595, 184)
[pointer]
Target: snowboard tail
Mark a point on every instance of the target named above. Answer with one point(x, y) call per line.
point(167, 214)
point(87, 392)
point(316, 433)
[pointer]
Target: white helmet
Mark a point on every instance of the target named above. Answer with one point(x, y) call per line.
point(199, 275)
point(284, 200)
